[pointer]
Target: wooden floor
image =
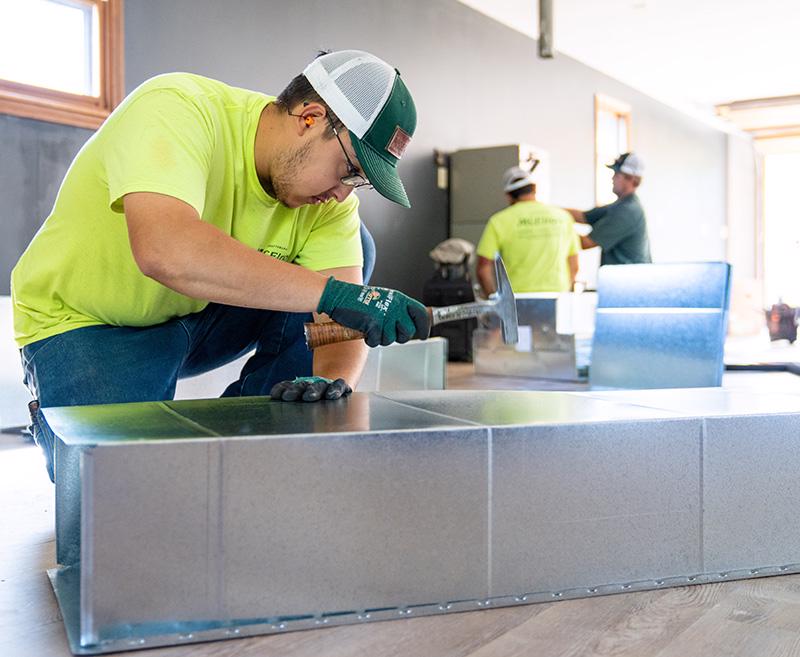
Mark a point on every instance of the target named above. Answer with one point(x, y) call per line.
point(752, 618)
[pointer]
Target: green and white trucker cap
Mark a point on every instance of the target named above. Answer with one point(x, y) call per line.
point(374, 104)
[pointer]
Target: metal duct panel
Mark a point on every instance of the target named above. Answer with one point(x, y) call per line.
point(574, 505)
point(541, 350)
point(345, 523)
point(657, 350)
point(752, 495)
point(660, 325)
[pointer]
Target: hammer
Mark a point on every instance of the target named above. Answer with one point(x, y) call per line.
point(501, 303)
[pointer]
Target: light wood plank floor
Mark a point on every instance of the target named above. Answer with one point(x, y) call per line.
point(753, 618)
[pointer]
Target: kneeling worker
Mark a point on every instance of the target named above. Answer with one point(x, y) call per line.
point(537, 242)
point(204, 221)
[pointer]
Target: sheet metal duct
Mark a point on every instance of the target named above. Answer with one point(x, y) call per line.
point(201, 520)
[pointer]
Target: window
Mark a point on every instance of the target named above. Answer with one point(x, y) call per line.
point(61, 60)
point(774, 124)
point(612, 129)
point(781, 230)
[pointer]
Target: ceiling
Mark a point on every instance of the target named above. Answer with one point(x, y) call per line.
point(692, 54)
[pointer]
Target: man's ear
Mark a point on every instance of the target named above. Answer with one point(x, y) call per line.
point(309, 116)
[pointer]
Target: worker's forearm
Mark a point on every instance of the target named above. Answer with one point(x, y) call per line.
point(485, 273)
point(221, 269)
point(572, 264)
point(343, 360)
point(577, 215)
point(487, 283)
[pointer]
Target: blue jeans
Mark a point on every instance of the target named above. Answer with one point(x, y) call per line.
point(110, 364)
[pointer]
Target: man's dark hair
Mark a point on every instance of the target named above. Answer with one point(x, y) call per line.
point(300, 91)
point(522, 191)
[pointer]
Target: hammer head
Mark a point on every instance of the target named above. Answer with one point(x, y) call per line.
point(506, 304)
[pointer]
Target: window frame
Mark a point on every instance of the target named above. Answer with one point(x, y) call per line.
point(32, 102)
point(622, 111)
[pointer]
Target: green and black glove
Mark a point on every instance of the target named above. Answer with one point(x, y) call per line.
point(382, 315)
point(310, 389)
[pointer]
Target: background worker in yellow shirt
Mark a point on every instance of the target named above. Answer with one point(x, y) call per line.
point(537, 242)
point(202, 221)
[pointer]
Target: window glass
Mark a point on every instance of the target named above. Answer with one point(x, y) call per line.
point(61, 60)
point(781, 228)
point(52, 44)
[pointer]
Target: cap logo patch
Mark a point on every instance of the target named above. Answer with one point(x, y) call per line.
point(398, 143)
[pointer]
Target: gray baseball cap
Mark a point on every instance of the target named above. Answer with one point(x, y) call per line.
point(629, 163)
point(517, 178)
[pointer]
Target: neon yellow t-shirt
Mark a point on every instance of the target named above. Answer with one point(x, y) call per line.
point(534, 241)
point(184, 136)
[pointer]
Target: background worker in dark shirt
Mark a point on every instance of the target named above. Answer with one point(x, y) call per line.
point(620, 228)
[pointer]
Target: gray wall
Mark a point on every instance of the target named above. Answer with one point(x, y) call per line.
point(35, 157)
point(475, 82)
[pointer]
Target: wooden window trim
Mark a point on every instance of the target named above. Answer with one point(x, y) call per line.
point(608, 104)
point(620, 109)
point(33, 102)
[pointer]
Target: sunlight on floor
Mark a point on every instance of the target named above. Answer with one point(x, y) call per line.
point(27, 498)
point(19, 462)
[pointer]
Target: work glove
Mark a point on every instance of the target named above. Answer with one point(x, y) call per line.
point(309, 389)
point(382, 315)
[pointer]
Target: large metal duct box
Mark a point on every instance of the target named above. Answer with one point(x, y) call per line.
point(200, 520)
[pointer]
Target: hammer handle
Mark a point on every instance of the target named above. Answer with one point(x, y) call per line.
point(319, 334)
